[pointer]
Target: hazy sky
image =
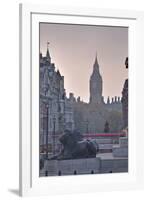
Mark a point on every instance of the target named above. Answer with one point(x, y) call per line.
point(73, 49)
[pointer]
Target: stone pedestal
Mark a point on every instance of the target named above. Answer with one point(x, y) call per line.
point(123, 142)
point(121, 150)
point(72, 167)
point(104, 163)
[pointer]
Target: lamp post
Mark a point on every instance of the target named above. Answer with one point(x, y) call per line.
point(54, 122)
point(87, 128)
point(47, 131)
point(106, 128)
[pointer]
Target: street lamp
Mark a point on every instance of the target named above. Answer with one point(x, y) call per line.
point(54, 123)
point(87, 128)
point(47, 131)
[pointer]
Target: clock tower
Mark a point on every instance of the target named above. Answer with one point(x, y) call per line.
point(96, 85)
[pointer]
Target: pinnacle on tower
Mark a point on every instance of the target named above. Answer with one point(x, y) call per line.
point(96, 61)
point(58, 73)
point(112, 100)
point(108, 100)
point(48, 54)
point(96, 65)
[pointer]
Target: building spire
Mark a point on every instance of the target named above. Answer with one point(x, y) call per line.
point(96, 65)
point(47, 53)
point(96, 61)
point(96, 84)
point(96, 71)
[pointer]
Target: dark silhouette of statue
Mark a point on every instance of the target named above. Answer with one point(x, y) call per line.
point(106, 128)
point(125, 99)
point(126, 62)
point(75, 148)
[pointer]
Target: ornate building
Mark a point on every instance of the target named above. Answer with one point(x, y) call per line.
point(56, 113)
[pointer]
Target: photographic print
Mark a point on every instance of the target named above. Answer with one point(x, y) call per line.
point(83, 99)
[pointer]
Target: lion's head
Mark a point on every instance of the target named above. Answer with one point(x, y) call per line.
point(67, 139)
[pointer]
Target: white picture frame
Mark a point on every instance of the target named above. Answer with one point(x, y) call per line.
point(30, 183)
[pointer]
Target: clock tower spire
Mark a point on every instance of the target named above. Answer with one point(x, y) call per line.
point(96, 84)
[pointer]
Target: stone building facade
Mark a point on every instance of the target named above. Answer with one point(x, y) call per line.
point(56, 113)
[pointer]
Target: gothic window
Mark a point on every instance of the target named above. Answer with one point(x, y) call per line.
point(59, 108)
point(43, 123)
point(50, 123)
point(63, 96)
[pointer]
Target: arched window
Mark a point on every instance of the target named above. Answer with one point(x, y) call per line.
point(46, 173)
point(75, 172)
point(59, 173)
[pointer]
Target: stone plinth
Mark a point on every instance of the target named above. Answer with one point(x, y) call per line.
point(72, 167)
point(121, 150)
point(104, 163)
point(123, 142)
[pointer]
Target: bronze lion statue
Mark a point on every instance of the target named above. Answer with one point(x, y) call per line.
point(76, 148)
